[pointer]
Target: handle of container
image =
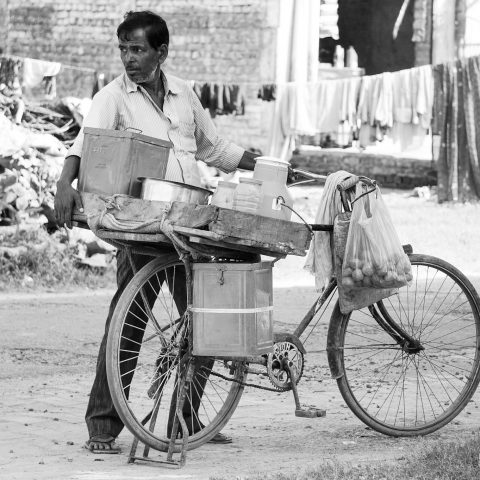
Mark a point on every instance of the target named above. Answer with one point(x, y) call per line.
point(133, 128)
point(281, 201)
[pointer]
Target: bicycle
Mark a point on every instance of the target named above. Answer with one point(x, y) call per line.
point(406, 365)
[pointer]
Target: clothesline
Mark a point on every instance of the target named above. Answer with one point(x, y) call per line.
point(70, 67)
point(368, 108)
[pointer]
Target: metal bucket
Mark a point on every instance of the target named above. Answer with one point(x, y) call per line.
point(168, 191)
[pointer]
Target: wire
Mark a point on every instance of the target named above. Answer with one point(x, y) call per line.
point(283, 204)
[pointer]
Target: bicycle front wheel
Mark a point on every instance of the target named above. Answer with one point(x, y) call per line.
point(402, 391)
point(147, 340)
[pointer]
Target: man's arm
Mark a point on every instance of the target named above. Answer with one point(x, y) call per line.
point(214, 150)
point(67, 197)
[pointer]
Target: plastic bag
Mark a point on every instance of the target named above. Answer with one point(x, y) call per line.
point(374, 257)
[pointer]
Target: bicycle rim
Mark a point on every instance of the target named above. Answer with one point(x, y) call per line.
point(399, 392)
point(148, 337)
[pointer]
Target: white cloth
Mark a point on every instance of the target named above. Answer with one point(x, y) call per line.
point(34, 70)
point(319, 260)
point(183, 121)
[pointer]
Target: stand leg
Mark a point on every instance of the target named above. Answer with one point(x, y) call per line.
point(184, 384)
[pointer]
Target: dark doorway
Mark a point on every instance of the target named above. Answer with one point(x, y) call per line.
point(368, 25)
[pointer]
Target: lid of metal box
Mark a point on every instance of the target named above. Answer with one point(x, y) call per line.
point(242, 266)
point(103, 132)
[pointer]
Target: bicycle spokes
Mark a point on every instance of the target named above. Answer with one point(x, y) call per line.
point(411, 361)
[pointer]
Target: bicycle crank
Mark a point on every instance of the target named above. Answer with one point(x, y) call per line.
point(284, 351)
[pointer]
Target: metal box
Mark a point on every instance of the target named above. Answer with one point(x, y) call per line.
point(112, 160)
point(232, 309)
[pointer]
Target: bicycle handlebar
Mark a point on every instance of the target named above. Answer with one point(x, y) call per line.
point(342, 187)
point(348, 183)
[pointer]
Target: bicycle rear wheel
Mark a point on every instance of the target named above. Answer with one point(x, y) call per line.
point(403, 391)
point(147, 339)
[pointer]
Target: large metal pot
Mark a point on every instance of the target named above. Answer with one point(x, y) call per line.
point(168, 191)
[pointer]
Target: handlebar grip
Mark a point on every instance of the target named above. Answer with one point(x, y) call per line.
point(348, 183)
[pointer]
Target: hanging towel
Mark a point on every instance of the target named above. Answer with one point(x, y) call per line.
point(319, 260)
point(34, 71)
point(424, 100)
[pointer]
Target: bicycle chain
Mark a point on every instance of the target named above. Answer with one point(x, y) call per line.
point(244, 384)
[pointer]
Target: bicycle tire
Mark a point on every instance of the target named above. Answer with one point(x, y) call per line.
point(145, 363)
point(369, 375)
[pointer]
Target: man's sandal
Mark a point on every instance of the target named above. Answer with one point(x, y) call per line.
point(103, 444)
point(221, 439)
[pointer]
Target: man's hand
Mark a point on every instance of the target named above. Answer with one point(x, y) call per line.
point(65, 200)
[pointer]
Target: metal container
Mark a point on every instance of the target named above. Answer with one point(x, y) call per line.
point(232, 309)
point(113, 159)
point(168, 191)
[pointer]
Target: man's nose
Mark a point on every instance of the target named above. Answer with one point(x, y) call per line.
point(127, 56)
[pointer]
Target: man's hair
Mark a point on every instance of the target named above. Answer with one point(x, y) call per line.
point(156, 29)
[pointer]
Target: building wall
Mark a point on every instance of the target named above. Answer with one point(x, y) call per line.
point(223, 41)
point(422, 31)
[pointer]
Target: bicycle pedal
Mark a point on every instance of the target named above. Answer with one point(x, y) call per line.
point(310, 412)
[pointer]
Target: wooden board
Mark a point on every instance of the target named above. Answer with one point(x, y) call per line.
point(211, 238)
point(285, 235)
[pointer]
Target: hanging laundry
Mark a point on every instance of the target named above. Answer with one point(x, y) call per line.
point(221, 99)
point(50, 85)
point(238, 99)
point(10, 69)
point(424, 100)
point(34, 70)
point(456, 118)
point(267, 92)
point(330, 99)
point(383, 114)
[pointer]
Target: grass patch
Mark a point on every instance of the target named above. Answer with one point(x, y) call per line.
point(31, 259)
point(440, 461)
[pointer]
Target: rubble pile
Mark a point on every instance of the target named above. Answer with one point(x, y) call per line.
point(33, 143)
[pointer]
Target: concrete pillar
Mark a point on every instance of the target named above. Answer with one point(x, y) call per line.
point(4, 14)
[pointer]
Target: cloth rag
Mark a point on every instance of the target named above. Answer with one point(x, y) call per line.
point(319, 260)
point(34, 70)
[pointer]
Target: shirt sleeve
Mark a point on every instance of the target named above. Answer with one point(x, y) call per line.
point(212, 149)
point(103, 113)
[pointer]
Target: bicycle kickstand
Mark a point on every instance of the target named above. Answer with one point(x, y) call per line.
point(305, 411)
point(178, 421)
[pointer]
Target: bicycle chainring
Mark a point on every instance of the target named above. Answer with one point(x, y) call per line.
point(277, 374)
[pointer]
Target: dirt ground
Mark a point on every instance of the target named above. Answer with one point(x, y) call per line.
point(48, 350)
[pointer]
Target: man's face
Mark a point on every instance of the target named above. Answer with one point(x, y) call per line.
point(138, 57)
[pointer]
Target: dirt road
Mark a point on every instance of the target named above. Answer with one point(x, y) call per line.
point(48, 349)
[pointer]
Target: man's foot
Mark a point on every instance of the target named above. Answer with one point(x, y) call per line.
point(221, 439)
point(104, 444)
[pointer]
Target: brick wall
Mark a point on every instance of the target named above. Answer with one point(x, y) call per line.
point(211, 40)
point(387, 170)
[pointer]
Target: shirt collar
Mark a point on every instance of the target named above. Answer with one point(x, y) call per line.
point(170, 84)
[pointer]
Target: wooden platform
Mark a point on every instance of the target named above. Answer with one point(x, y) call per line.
point(208, 228)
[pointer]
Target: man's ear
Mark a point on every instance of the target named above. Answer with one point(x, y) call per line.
point(163, 52)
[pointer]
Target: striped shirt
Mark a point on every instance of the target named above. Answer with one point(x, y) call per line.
point(123, 104)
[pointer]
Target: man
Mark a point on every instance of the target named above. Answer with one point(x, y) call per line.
point(161, 106)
